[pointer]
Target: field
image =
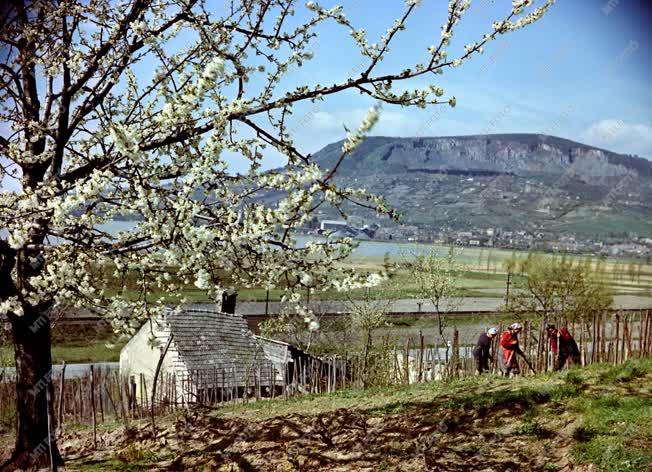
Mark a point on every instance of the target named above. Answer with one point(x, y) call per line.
point(597, 418)
point(73, 346)
point(484, 274)
point(484, 277)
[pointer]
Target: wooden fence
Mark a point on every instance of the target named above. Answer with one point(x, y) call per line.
point(103, 395)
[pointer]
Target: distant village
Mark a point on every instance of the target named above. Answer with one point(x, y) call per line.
point(628, 246)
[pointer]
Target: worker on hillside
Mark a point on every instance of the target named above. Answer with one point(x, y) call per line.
point(567, 347)
point(481, 352)
point(510, 350)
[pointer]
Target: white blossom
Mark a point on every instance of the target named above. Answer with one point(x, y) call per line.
point(11, 305)
point(202, 279)
point(17, 239)
point(353, 140)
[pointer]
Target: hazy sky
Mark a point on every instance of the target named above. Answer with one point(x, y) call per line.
point(582, 72)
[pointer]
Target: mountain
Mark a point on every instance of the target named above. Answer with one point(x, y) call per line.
point(526, 182)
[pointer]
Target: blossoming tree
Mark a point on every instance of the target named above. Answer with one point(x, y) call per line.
point(129, 110)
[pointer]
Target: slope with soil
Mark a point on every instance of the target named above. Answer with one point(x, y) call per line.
point(596, 418)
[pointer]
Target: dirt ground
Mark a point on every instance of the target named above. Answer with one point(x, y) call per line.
point(415, 437)
point(420, 438)
point(480, 425)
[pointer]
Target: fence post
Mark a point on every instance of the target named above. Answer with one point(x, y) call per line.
point(595, 356)
point(603, 338)
point(133, 400)
point(123, 393)
point(62, 393)
point(623, 345)
point(100, 392)
point(421, 347)
point(455, 367)
point(93, 414)
point(328, 377)
point(406, 363)
point(272, 380)
point(617, 334)
point(630, 328)
point(81, 399)
point(640, 334)
point(648, 331)
point(540, 349)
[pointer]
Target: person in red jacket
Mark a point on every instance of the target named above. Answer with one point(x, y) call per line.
point(510, 349)
point(567, 348)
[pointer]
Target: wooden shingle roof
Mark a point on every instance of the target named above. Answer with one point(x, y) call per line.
point(208, 340)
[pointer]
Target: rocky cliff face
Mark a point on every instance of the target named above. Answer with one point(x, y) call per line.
point(521, 154)
point(522, 181)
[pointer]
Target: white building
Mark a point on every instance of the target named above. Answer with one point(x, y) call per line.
point(210, 355)
point(333, 225)
point(208, 350)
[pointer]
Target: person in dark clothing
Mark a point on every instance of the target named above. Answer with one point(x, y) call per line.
point(481, 351)
point(566, 349)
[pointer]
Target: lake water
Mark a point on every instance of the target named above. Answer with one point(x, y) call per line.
point(375, 249)
point(365, 248)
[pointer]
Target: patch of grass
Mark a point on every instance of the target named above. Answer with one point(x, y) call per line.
point(622, 373)
point(471, 393)
point(130, 459)
point(610, 456)
point(532, 428)
point(97, 350)
point(132, 455)
point(615, 434)
point(458, 319)
point(574, 378)
point(8, 418)
point(525, 397)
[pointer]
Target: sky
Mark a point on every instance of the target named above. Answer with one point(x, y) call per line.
point(582, 72)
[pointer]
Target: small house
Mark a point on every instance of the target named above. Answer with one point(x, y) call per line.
point(292, 364)
point(210, 356)
point(302, 371)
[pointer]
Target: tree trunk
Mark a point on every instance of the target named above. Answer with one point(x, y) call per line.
point(35, 437)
